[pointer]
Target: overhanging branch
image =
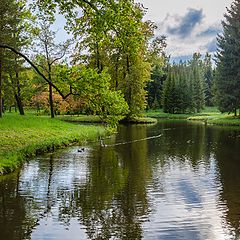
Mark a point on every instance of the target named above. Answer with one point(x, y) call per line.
point(36, 69)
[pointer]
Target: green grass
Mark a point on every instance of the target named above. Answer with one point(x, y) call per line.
point(209, 111)
point(140, 120)
point(210, 115)
point(96, 119)
point(22, 137)
point(80, 118)
point(220, 119)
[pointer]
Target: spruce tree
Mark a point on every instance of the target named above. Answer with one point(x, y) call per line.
point(208, 77)
point(228, 61)
point(198, 82)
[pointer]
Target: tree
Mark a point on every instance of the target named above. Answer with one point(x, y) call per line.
point(21, 39)
point(228, 61)
point(49, 53)
point(184, 88)
point(116, 39)
point(7, 12)
point(159, 61)
point(198, 82)
point(208, 77)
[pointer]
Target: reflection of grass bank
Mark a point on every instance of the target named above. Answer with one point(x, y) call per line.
point(26, 136)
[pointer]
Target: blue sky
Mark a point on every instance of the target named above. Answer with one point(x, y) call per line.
point(190, 25)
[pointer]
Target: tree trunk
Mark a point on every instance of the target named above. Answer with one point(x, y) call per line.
point(50, 90)
point(19, 104)
point(18, 96)
point(1, 105)
point(51, 101)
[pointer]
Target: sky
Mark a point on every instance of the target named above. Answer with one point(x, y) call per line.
point(190, 25)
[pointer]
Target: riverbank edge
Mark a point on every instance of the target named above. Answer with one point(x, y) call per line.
point(230, 121)
point(96, 119)
point(224, 120)
point(12, 160)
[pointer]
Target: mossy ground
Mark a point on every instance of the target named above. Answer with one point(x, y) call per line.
point(22, 137)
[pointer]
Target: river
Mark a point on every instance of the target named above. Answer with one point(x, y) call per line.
point(172, 180)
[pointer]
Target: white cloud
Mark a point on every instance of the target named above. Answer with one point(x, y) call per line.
point(183, 37)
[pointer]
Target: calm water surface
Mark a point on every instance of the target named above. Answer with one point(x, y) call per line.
point(182, 185)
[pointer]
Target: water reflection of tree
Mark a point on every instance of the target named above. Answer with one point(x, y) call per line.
point(133, 198)
point(227, 153)
point(16, 219)
point(113, 200)
point(180, 141)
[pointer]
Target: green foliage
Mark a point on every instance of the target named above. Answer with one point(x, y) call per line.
point(158, 72)
point(184, 89)
point(228, 64)
point(116, 40)
point(94, 87)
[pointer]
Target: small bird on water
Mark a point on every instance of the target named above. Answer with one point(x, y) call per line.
point(81, 149)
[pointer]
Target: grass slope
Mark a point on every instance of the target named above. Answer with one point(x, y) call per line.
point(208, 111)
point(210, 115)
point(25, 136)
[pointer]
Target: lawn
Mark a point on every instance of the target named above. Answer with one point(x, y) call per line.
point(210, 115)
point(22, 137)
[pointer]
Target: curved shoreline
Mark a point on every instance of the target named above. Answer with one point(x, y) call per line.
point(23, 137)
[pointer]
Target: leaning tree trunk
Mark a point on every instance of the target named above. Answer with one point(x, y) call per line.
point(50, 91)
point(51, 101)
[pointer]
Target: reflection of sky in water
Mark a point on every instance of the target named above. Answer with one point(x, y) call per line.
point(185, 204)
point(35, 177)
point(161, 192)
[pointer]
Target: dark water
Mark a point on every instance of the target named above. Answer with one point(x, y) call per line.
point(182, 185)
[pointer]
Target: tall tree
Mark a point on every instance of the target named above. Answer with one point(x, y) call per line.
point(21, 39)
point(49, 52)
point(7, 11)
point(208, 77)
point(228, 61)
point(159, 61)
point(115, 37)
point(198, 82)
point(184, 88)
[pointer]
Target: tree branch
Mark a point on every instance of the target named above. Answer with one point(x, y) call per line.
point(36, 69)
point(90, 4)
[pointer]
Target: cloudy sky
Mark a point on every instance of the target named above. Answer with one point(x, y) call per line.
point(190, 25)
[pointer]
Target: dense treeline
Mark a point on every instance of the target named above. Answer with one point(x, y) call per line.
point(112, 66)
point(188, 86)
point(102, 70)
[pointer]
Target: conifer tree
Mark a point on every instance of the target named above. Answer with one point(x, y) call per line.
point(228, 61)
point(198, 82)
point(208, 77)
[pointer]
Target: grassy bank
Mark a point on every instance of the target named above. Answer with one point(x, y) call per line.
point(22, 137)
point(96, 119)
point(80, 118)
point(221, 120)
point(208, 111)
point(210, 115)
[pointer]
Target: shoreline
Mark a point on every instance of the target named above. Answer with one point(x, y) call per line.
point(23, 137)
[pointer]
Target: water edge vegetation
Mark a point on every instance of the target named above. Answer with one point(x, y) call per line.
point(23, 137)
